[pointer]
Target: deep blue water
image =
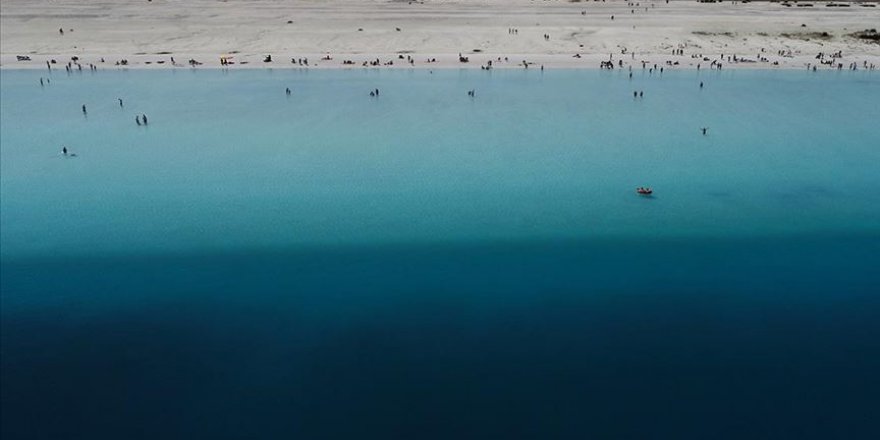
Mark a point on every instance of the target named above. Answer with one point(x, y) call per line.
point(424, 265)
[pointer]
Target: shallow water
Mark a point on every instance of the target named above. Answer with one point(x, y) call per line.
point(426, 265)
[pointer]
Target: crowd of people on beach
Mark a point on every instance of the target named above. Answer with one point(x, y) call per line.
point(830, 60)
point(698, 60)
point(714, 63)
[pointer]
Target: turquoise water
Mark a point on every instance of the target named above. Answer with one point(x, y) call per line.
point(427, 265)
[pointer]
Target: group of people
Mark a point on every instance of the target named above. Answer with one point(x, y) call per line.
point(139, 119)
point(831, 60)
point(69, 67)
point(409, 59)
point(73, 64)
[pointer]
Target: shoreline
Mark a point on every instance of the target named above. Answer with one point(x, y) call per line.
point(443, 62)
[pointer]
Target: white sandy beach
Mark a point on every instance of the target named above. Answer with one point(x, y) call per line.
point(148, 33)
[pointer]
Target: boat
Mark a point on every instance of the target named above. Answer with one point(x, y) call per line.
point(644, 191)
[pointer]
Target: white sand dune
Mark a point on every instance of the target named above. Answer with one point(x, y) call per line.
point(143, 31)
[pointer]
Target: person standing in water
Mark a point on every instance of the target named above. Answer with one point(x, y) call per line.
point(120, 102)
point(84, 109)
point(287, 91)
point(144, 117)
point(704, 129)
point(137, 120)
point(64, 150)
